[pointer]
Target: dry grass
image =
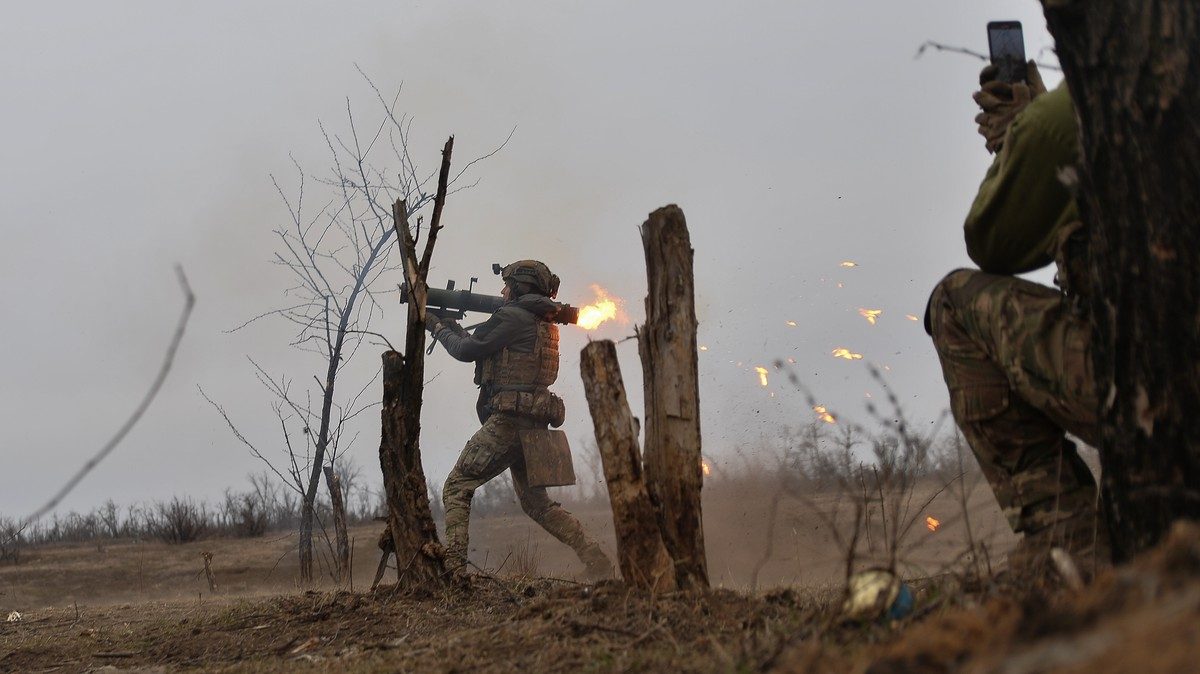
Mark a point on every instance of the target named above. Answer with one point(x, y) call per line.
point(528, 624)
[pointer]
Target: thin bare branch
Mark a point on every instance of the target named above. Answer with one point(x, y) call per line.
point(189, 301)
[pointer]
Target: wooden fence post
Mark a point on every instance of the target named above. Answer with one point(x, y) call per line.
point(667, 345)
point(641, 554)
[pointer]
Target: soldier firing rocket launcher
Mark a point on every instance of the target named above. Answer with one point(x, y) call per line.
point(454, 304)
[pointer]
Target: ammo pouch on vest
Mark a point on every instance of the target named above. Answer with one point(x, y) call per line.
point(547, 458)
point(538, 403)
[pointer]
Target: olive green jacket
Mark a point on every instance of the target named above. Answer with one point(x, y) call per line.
point(1012, 226)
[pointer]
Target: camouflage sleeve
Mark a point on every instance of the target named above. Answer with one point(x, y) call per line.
point(1021, 203)
point(499, 330)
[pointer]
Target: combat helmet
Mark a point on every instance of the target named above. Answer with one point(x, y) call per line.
point(533, 272)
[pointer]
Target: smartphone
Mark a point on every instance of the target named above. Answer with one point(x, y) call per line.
point(1006, 43)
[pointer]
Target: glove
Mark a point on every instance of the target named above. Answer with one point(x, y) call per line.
point(1002, 101)
point(433, 323)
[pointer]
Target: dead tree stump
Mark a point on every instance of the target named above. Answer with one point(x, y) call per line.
point(208, 572)
point(334, 482)
point(667, 345)
point(386, 548)
point(414, 535)
point(641, 554)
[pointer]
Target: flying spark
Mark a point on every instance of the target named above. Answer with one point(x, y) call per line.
point(824, 415)
point(870, 314)
point(846, 354)
point(848, 264)
point(762, 375)
point(911, 317)
point(791, 324)
point(932, 523)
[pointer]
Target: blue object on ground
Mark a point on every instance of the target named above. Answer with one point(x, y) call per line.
point(903, 605)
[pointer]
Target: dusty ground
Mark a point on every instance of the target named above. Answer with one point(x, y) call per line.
point(1140, 618)
point(798, 551)
point(133, 605)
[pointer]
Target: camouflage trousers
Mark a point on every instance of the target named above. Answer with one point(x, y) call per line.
point(494, 448)
point(1017, 361)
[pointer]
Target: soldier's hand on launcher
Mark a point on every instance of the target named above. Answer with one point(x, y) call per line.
point(1001, 101)
point(433, 322)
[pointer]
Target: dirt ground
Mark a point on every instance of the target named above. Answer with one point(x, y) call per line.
point(146, 606)
point(797, 551)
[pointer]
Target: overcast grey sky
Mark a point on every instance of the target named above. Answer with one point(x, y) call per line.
point(794, 135)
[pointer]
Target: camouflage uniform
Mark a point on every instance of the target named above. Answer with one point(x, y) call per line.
point(516, 357)
point(1017, 362)
point(494, 448)
point(1016, 355)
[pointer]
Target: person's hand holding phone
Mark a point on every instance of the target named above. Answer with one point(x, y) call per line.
point(1001, 101)
point(1006, 85)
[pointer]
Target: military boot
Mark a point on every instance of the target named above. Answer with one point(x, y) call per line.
point(597, 564)
point(1080, 535)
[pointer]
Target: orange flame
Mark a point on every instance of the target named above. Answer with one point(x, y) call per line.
point(847, 354)
point(605, 308)
point(870, 314)
point(932, 523)
point(824, 415)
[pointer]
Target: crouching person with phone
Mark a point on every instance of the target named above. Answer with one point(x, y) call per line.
point(1016, 355)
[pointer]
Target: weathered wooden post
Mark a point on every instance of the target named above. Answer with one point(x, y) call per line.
point(641, 554)
point(667, 345)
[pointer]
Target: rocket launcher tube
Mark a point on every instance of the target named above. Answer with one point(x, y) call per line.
point(451, 303)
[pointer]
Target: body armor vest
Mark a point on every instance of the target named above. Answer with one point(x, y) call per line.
point(517, 382)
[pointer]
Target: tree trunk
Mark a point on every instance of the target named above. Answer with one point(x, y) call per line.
point(420, 558)
point(1134, 73)
point(308, 511)
point(667, 344)
point(414, 535)
point(641, 554)
point(306, 546)
point(334, 482)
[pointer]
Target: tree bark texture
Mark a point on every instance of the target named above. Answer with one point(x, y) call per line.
point(1133, 69)
point(641, 553)
point(413, 533)
point(334, 483)
point(667, 345)
point(305, 541)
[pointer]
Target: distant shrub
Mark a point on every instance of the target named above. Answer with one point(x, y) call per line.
point(11, 538)
point(180, 520)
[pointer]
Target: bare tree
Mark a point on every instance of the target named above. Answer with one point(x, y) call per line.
point(337, 248)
